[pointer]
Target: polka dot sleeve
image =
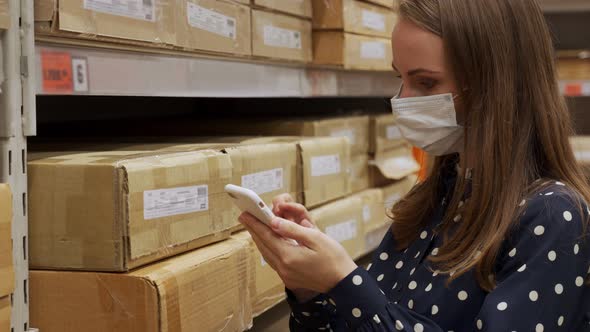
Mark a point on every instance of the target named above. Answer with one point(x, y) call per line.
point(543, 271)
point(314, 315)
point(364, 307)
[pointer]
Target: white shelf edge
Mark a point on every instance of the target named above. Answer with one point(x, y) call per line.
point(124, 73)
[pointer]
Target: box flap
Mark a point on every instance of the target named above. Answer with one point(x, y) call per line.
point(396, 164)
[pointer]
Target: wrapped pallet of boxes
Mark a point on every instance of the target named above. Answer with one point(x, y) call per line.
point(203, 290)
point(352, 34)
point(118, 210)
point(120, 21)
point(301, 8)
point(266, 288)
point(342, 220)
point(282, 37)
point(323, 167)
point(214, 26)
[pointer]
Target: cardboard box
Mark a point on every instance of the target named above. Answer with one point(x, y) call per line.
point(353, 16)
point(373, 208)
point(266, 287)
point(323, 167)
point(281, 37)
point(214, 25)
point(5, 312)
point(204, 290)
point(4, 15)
point(384, 3)
point(138, 20)
point(113, 211)
point(384, 134)
point(300, 8)
point(374, 235)
point(396, 191)
point(354, 128)
point(6, 262)
point(351, 51)
point(392, 165)
point(342, 220)
point(573, 69)
point(581, 148)
point(359, 173)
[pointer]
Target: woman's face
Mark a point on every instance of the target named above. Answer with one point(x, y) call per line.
point(419, 58)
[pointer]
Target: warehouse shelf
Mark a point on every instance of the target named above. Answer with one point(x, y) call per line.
point(77, 70)
point(575, 88)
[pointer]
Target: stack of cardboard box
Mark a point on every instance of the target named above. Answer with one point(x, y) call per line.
point(353, 34)
point(261, 28)
point(6, 262)
point(139, 238)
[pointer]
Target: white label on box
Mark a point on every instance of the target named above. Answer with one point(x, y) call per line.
point(279, 37)
point(366, 213)
point(343, 231)
point(264, 182)
point(175, 201)
point(393, 133)
point(325, 165)
point(391, 200)
point(373, 20)
point(348, 133)
point(137, 9)
point(212, 21)
point(373, 50)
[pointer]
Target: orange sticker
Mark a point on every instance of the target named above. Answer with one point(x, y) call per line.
point(57, 72)
point(573, 89)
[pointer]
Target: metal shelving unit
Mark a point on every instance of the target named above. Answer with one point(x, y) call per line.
point(17, 112)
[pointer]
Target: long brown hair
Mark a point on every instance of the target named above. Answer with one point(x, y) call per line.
point(517, 128)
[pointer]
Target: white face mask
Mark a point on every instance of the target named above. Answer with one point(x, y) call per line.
point(429, 123)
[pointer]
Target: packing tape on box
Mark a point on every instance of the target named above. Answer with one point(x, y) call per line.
point(172, 300)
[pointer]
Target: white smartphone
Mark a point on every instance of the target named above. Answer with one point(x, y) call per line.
point(248, 201)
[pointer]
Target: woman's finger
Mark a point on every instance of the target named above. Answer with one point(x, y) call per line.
point(281, 199)
point(271, 239)
point(293, 211)
point(269, 256)
point(303, 235)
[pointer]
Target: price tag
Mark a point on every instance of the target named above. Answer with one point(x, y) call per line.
point(57, 72)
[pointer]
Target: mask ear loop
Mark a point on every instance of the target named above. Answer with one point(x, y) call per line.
point(399, 92)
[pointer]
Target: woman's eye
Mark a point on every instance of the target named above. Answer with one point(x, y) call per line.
point(428, 83)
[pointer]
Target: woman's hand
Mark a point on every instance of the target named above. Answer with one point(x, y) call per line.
point(317, 263)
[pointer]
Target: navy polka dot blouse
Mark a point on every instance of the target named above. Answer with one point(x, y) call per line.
point(541, 276)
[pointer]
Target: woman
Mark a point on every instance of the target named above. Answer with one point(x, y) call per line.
point(495, 238)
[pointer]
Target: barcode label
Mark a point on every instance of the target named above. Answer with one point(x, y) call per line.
point(279, 37)
point(393, 133)
point(325, 165)
point(348, 133)
point(264, 182)
point(373, 50)
point(343, 231)
point(373, 21)
point(137, 9)
point(175, 201)
point(212, 21)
